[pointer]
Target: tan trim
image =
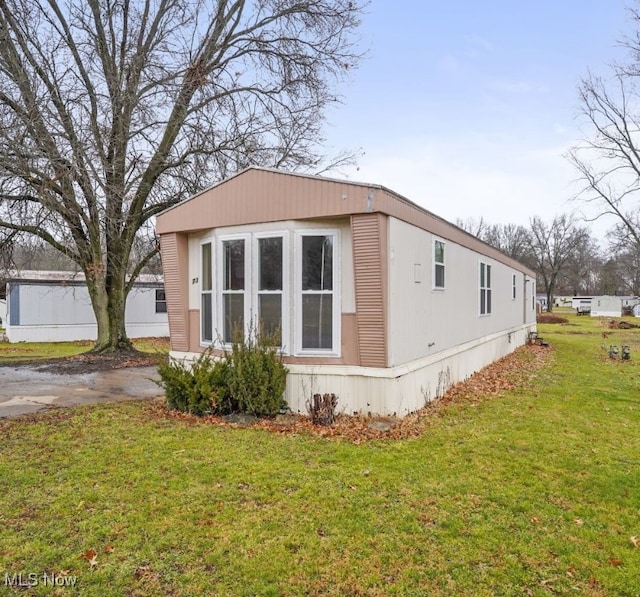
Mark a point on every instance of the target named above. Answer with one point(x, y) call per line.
point(194, 330)
point(349, 339)
point(260, 195)
point(175, 259)
point(369, 238)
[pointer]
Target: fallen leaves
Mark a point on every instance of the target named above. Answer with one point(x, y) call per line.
point(514, 371)
point(146, 573)
point(635, 541)
point(91, 555)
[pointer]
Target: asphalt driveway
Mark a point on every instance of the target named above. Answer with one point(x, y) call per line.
point(26, 389)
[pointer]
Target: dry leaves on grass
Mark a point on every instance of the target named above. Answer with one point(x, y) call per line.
point(514, 371)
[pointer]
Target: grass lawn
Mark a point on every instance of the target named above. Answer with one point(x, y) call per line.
point(29, 351)
point(531, 491)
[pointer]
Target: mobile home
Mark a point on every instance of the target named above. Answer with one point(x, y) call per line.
point(375, 298)
point(55, 307)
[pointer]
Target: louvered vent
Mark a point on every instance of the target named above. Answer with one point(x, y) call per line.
point(369, 280)
point(176, 308)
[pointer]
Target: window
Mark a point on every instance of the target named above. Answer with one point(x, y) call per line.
point(438, 264)
point(270, 286)
point(206, 307)
point(318, 319)
point(513, 287)
point(161, 301)
point(245, 280)
point(533, 295)
point(485, 289)
point(233, 287)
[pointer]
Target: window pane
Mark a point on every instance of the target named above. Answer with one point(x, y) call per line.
point(270, 308)
point(482, 275)
point(206, 266)
point(233, 264)
point(207, 320)
point(317, 263)
point(482, 302)
point(488, 301)
point(488, 276)
point(439, 251)
point(317, 322)
point(161, 301)
point(270, 250)
point(439, 276)
point(233, 315)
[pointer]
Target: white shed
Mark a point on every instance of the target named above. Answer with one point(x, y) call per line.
point(55, 307)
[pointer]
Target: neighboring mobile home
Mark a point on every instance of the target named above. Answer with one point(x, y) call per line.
point(55, 307)
point(612, 306)
point(377, 300)
point(606, 306)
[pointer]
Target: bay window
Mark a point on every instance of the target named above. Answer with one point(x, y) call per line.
point(246, 281)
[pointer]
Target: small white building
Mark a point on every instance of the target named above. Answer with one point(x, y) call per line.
point(3, 312)
point(55, 307)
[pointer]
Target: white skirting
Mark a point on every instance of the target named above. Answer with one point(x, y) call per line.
point(396, 390)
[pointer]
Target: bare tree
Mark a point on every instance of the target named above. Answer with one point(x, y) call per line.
point(474, 226)
point(114, 110)
point(582, 272)
point(552, 247)
point(511, 239)
point(608, 159)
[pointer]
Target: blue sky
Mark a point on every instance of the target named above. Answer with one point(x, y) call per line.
point(466, 107)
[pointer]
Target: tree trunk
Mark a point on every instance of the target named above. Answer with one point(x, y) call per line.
point(109, 308)
point(549, 301)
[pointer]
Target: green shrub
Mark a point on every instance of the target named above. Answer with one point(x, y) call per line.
point(256, 376)
point(200, 389)
point(251, 379)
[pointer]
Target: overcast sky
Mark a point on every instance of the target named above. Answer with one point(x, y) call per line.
point(466, 107)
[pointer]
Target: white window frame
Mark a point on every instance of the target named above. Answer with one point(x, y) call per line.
point(219, 285)
point(486, 289)
point(212, 242)
point(514, 292)
point(438, 263)
point(335, 349)
point(286, 286)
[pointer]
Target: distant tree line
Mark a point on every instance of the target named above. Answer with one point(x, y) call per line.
point(567, 258)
